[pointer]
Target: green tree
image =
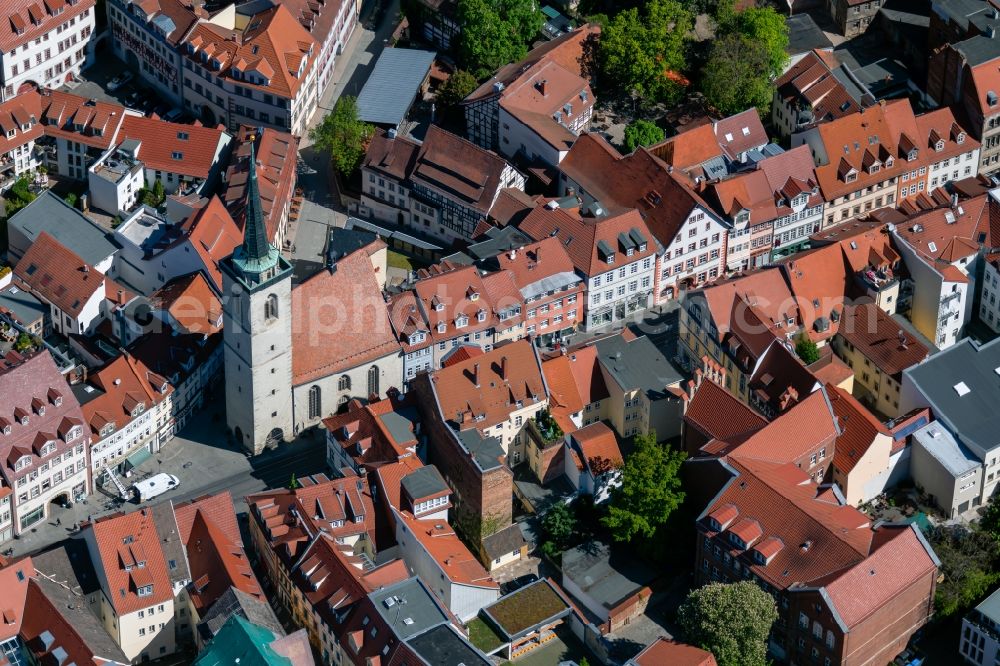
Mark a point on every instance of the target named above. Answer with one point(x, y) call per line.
point(969, 560)
point(642, 133)
point(495, 32)
point(18, 196)
point(763, 26)
point(806, 349)
point(344, 135)
point(736, 76)
point(559, 524)
point(649, 493)
point(647, 52)
point(732, 621)
point(71, 199)
point(294, 483)
point(458, 86)
point(24, 342)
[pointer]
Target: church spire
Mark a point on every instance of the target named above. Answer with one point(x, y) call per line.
point(255, 244)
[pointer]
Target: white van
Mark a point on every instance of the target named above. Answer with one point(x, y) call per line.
point(154, 486)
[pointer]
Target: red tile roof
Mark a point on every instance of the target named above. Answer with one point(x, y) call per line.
point(27, 386)
point(740, 132)
point(191, 303)
point(188, 150)
point(581, 236)
point(598, 442)
point(811, 82)
point(211, 537)
point(807, 426)
point(765, 291)
point(689, 148)
point(14, 578)
point(446, 294)
point(536, 261)
point(858, 426)
point(483, 391)
point(361, 432)
point(214, 235)
point(662, 651)
point(15, 113)
point(719, 414)
point(946, 235)
point(130, 557)
point(663, 196)
point(339, 320)
point(125, 383)
point(28, 20)
point(880, 339)
point(59, 276)
point(271, 48)
point(897, 563)
point(454, 558)
point(90, 122)
point(547, 98)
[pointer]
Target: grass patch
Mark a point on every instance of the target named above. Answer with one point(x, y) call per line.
point(397, 260)
point(482, 635)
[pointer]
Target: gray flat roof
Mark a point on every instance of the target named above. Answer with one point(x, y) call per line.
point(804, 35)
point(498, 241)
point(486, 451)
point(393, 84)
point(408, 608)
point(973, 418)
point(442, 645)
point(937, 441)
point(66, 224)
point(606, 577)
point(637, 364)
point(25, 307)
point(424, 482)
point(401, 423)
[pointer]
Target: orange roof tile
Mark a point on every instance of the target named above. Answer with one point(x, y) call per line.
point(483, 391)
point(14, 577)
point(663, 651)
point(439, 540)
point(339, 320)
point(59, 276)
point(276, 154)
point(598, 442)
point(880, 339)
point(719, 414)
point(858, 426)
point(188, 150)
point(131, 540)
point(214, 235)
point(806, 427)
point(191, 303)
point(28, 21)
point(124, 383)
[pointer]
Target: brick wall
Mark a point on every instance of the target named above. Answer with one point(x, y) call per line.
point(480, 498)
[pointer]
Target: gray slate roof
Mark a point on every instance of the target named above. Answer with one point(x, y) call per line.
point(67, 225)
point(637, 364)
point(424, 482)
point(25, 307)
point(486, 451)
point(608, 579)
point(442, 645)
point(939, 443)
point(393, 84)
point(505, 541)
point(419, 607)
point(973, 418)
point(236, 602)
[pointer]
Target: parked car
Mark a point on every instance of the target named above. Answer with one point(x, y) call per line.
point(173, 115)
point(517, 583)
point(120, 80)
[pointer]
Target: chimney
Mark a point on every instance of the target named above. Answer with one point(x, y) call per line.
point(540, 85)
point(475, 375)
point(954, 199)
point(570, 191)
point(691, 388)
point(902, 340)
point(503, 368)
point(538, 253)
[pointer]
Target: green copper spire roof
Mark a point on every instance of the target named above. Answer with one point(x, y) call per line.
point(244, 643)
point(256, 257)
point(255, 245)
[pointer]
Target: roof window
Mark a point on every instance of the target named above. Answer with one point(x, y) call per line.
point(962, 389)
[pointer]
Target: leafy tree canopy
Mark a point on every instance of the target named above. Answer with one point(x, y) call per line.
point(495, 33)
point(732, 621)
point(762, 26)
point(969, 560)
point(650, 490)
point(344, 135)
point(735, 77)
point(642, 133)
point(455, 89)
point(806, 349)
point(647, 53)
point(559, 524)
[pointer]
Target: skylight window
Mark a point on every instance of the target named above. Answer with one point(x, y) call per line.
point(932, 246)
point(962, 389)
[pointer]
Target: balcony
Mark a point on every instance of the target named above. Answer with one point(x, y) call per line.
point(878, 279)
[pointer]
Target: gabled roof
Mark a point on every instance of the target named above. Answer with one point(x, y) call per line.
point(946, 234)
point(130, 557)
point(663, 196)
point(191, 303)
point(272, 46)
point(663, 651)
point(121, 386)
point(437, 538)
point(483, 391)
point(59, 276)
point(50, 214)
point(881, 340)
point(586, 240)
point(739, 133)
point(357, 332)
point(188, 150)
point(858, 429)
point(812, 82)
point(720, 415)
point(213, 234)
point(597, 441)
point(28, 20)
point(805, 427)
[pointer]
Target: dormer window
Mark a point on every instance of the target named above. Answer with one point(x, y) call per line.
point(939, 146)
point(960, 138)
point(736, 541)
point(889, 162)
point(874, 168)
point(912, 155)
point(7, 429)
point(107, 430)
point(850, 176)
point(145, 591)
point(611, 258)
point(441, 327)
point(48, 449)
point(461, 321)
point(11, 132)
point(474, 296)
point(481, 315)
point(22, 462)
point(642, 247)
point(629, 252)
point(714, 524)
point(439, 306)
point(139, 409)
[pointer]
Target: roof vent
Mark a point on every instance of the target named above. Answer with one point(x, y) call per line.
point(962, 388)
point(389, 602)
point(996, 370)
